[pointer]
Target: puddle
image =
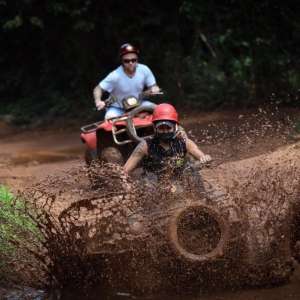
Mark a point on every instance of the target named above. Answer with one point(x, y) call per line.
point(44, 156)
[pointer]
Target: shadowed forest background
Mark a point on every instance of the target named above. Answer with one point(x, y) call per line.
point(209, 54)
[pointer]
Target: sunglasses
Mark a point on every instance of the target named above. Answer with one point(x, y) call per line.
point(127, 61)
point(164, 127)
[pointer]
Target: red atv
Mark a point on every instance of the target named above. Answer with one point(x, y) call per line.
point(113, 140)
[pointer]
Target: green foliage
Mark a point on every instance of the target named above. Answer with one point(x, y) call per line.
point(14, 23)
point(37, 22)
point(209, 53)
point(248, 46)
point(40, 109)
point(15, 227)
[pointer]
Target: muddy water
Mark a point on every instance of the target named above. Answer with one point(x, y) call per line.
point(289, 291)
point(79, 198)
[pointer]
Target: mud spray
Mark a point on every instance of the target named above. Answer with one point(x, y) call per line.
point(232, 225)
point(100, 228)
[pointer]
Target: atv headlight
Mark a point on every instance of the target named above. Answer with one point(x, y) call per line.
point(130, 102)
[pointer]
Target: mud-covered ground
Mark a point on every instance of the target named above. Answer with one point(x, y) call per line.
point(230, 137)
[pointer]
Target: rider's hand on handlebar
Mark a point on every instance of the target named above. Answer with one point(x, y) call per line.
point(205, 159)
point(154, 89)
point(99, 104)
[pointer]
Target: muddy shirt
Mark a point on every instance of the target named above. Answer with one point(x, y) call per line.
point(160, 159)
point(120, 85)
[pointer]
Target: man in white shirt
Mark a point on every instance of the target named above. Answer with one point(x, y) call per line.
point(129, 79)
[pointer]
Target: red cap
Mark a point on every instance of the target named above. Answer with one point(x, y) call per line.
point(128, 48)
point(165, 111)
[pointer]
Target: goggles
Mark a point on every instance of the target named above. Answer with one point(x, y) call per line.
point(165, 125)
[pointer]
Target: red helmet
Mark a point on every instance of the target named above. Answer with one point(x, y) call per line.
point(165, 111)
point(128, 48)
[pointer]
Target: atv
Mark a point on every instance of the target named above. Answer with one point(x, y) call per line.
point(113, 140)
point(223, 234)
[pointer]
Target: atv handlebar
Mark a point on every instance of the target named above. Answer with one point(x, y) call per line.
point(131, 131)
point(112, 99)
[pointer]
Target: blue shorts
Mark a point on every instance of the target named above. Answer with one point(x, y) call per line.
point(113, 111)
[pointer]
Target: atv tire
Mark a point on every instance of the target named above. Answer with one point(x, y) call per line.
point(187, 239)
point(90, 155)
point(112, 155)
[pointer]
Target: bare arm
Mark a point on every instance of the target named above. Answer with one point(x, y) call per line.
point(97, 97)
point(194, 150)
point(136, 156)
point(181, 133)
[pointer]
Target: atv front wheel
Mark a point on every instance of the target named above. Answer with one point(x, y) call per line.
point(90, 155)
point(112, 155)
point(198, 233)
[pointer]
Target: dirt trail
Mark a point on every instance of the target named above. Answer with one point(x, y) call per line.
point(32, 155)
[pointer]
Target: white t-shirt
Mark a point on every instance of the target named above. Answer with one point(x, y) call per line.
point(120, 85)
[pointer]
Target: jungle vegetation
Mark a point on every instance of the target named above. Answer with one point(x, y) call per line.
point(211, 54)
point(16, 231)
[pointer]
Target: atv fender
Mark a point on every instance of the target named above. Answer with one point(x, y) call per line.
point(90, 139)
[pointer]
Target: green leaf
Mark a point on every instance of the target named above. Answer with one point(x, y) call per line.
point(36, 22)
point(14, 23)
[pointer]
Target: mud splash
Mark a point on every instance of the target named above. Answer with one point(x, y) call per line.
point(88, 215)
point(269, 201)
point(101, 229)
point(246, 134)
point(75, 211)
point(96, 222)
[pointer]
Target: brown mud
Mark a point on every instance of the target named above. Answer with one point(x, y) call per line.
point(258, 158)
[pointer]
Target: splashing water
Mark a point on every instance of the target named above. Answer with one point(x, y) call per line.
point(97, 221)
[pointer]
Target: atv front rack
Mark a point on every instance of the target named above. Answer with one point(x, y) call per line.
point(117, 132)
point(90, 127)
point(129, 129)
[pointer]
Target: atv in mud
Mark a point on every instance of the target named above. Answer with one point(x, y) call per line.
point(192, 232)
point(241, 229)
point(113, 140)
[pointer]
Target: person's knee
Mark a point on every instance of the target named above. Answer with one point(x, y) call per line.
point(148, 104)
point(113, 113)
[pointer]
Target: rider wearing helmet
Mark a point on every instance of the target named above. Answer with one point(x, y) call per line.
point(169, 144)
point(129, 79)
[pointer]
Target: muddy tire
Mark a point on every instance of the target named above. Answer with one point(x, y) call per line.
point(112, 155)
point(198, 233)
point(90, 155)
